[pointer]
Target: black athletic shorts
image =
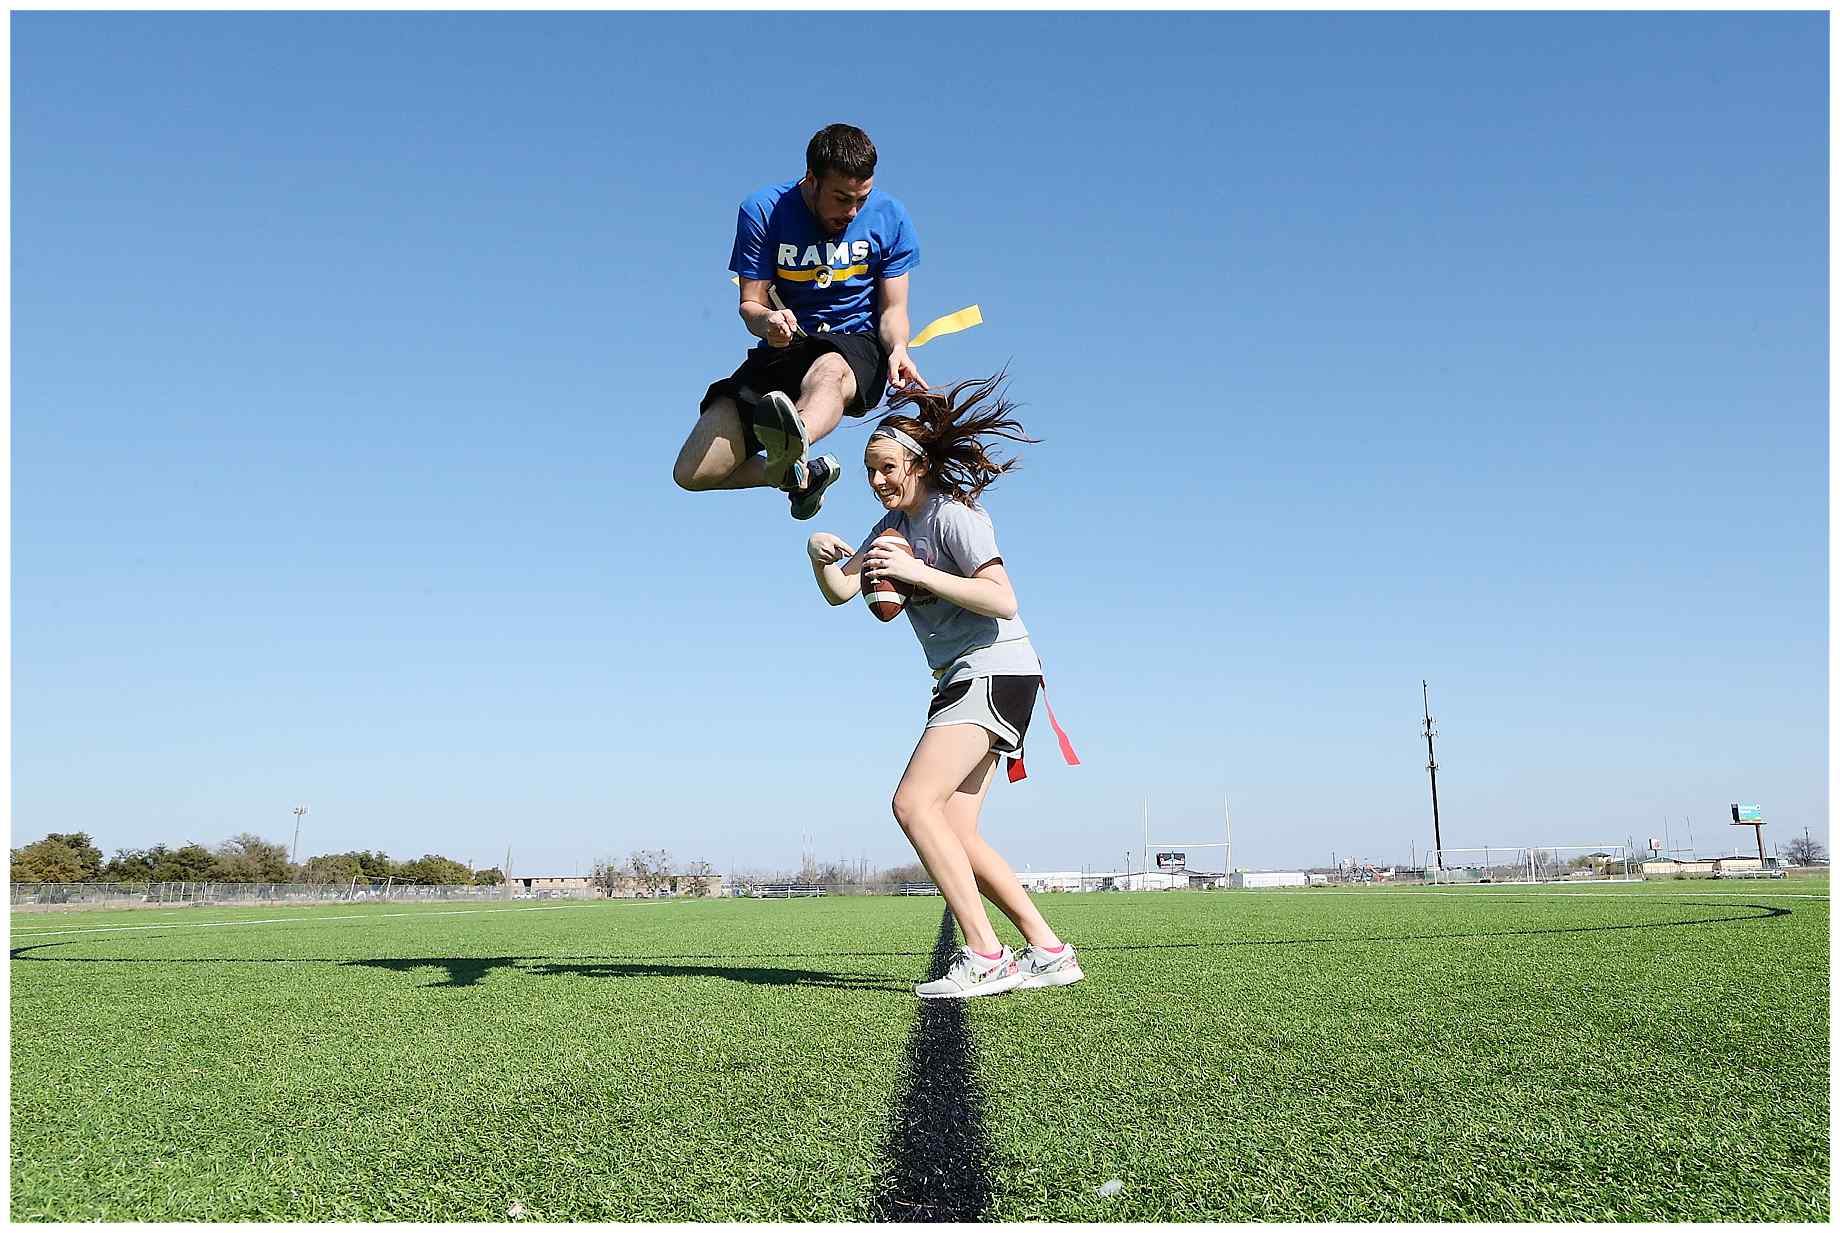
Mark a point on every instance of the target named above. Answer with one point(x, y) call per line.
point(1001, 705)
point(784, 369)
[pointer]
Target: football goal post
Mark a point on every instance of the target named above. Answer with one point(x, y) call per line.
point(1603, 862)
point(1172, 857)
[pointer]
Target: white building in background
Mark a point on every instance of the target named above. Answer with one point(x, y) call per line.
point(1153, 880)
point(1040, 883)
point(1252, 879)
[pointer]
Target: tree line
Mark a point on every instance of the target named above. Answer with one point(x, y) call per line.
point(837, 877)
point(651, 872)
point(241, 858)
point(250, 858)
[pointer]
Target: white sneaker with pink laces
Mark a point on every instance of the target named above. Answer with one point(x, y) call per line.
point(973, 975)
point(1043, 968)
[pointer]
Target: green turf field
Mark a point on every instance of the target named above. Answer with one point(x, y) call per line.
point(1654, 1052)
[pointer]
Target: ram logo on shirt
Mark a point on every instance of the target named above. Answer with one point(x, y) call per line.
point(821, 264)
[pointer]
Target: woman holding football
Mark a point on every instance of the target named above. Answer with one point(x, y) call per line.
point(928, 470)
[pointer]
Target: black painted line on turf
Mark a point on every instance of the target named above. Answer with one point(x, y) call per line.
point(937, 1161)
point(1762, 912)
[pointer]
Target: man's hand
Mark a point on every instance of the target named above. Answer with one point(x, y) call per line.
point(826, 549)
point(901, 370)
point(782, 327)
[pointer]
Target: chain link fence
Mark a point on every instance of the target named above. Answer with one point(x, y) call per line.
point(142, 894)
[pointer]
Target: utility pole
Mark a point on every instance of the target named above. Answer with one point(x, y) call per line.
point(1437, 836)
point(1146, 831)
point(299, 811)
point(1227, 816)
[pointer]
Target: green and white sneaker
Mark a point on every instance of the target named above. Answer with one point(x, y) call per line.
point(818, 474)
point(782, 433)
point(1042, 969)
point(972, 976)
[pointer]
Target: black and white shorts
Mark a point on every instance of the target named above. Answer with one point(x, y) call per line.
point(1002, 705)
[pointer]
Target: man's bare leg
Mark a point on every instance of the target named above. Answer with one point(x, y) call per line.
point(828, 387)
point(714, 458)
point(714, 455)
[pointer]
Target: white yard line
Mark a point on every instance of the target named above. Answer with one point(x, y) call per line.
point(279, 920)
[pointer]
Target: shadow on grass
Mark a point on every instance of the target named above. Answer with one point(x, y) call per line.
point(463, 972)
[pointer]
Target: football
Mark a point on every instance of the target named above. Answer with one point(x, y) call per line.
point(886, 596)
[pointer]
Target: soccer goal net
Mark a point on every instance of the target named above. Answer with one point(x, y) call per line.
point(1610, 862)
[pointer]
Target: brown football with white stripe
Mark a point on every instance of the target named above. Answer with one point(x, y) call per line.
point(888, 596)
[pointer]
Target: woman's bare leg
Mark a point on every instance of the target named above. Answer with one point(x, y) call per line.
point(995, 878)
point(941, 762)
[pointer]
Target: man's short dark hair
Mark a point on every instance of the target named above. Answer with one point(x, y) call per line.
point(840, 150)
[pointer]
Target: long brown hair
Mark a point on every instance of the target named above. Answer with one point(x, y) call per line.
point(950, 425)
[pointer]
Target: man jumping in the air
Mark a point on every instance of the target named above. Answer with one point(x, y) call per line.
point(822, 263)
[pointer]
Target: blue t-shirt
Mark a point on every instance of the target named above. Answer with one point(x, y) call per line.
point(826, 282)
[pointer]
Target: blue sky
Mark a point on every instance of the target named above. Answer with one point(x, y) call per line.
point(351, 354)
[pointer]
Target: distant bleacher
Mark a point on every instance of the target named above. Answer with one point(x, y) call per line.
point(787, 890)
point(916, 888)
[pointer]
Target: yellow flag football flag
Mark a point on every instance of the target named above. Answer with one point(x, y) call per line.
point(951, 323)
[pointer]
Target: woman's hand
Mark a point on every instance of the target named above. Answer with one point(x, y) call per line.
point(826, 549)
point(886, 561)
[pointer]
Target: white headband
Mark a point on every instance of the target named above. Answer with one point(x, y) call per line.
point(889, 430)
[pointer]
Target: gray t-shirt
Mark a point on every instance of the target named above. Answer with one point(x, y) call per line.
point(959, 644)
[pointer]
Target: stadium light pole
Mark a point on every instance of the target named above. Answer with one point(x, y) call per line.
point(299, 811)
